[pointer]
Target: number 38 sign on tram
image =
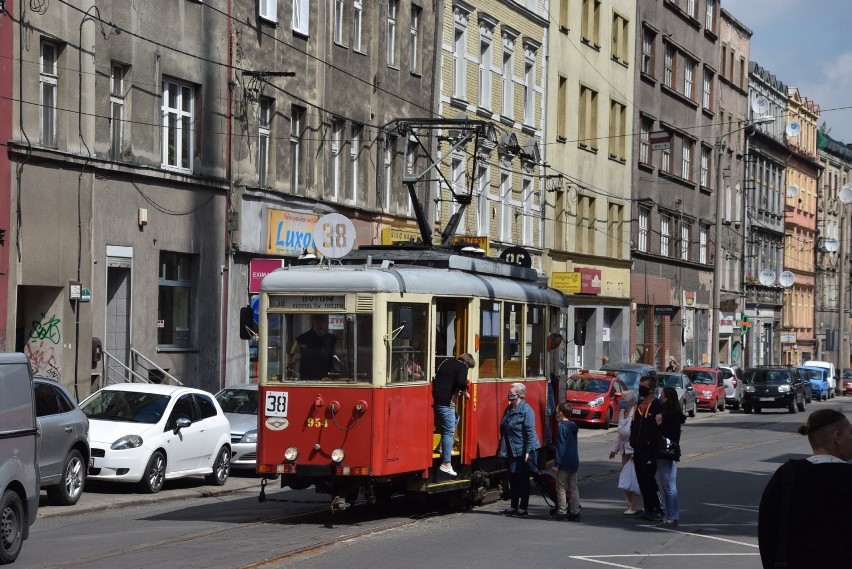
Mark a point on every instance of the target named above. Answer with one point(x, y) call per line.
point(334, 235)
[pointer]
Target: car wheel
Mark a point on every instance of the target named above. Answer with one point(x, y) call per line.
point(792, 406)
point(70, 486)
point(722, 405)
point(11, 526)
point(801, 406)
point(809, 399)
point(694, 409)
point(747, 409)
point(715, 408)
point(221, 468)
point(155, 474)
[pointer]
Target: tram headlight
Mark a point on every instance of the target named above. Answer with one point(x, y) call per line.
point(291, 453)
point(337, 455)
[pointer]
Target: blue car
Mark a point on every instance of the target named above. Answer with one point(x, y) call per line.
point(818, 376)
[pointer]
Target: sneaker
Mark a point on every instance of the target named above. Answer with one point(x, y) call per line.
point(667, 524)
point(522, 513)
point(656, 517)
point(632, 512)
point(448, 468)
point(573, 517)
point(559, 517)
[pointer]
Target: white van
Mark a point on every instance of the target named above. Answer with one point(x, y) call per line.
point(19, 478)
point(832, 374)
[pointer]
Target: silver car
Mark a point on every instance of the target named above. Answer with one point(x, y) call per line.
point(239, 403)
point(63, 442)
point(685, 391)
point(732, 375)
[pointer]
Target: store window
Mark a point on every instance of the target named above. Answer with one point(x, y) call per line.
point(174, 313)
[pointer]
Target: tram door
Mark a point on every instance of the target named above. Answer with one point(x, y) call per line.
point(451, 332)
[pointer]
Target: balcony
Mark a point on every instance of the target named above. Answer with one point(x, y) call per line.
point(758, 294)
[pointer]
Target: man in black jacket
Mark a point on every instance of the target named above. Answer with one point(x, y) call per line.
point(805, 517)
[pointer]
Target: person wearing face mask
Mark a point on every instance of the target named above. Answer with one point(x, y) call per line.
point(804, 514)
point(644, 438)
point(622, 446)
point(518, 444)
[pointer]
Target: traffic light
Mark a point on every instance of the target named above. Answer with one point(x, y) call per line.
point(580, 332)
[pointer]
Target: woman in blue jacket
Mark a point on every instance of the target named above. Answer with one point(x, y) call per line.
point(518, 443)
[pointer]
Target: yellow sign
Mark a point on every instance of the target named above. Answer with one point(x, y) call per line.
point(472, 240)
point(393, 235)
point(570, 283)
point(288, 233)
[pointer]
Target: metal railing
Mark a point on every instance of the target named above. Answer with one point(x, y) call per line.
point(141, 370)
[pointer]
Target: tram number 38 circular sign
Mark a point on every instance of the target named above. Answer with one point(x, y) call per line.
point(334, 235)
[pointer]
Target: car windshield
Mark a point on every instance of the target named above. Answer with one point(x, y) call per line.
point(847, 374)
point(811, 373)
point(588, 384)
point(127, 406)
point(670, 381)
point(240, 401)
point(630, 378)
point(768, 377)
point(703, 377)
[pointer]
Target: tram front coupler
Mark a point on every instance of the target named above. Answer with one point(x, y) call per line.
point(338, 504)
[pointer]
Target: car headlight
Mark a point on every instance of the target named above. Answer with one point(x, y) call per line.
point(783, 388)
point(749, 389)
point(126, 442)
point(596, 402)
point(337, 455)
point(707, 393)
point(249, 437)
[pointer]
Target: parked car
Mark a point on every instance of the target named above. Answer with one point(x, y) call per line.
point(594, 396)
point(832, 374)
point(629, 373)
point(817, 378)
point(149, 433)
point(773, 387)
point(684, 388)
point(732, 375)
point(709, 387)
point(847, 380)
point(239, 403)
point(19, 492)
point(63, 442)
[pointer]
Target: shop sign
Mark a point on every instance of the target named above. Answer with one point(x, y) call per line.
point(289, 234)
point(569, 283)
point(726, 323)
point(394, 235)
point(259, 268)
point(689, 298)
point(590, 280)
point(664, 310)
point(472, 240)
point(788, 337)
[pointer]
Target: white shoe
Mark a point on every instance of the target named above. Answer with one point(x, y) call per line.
point(448, 468)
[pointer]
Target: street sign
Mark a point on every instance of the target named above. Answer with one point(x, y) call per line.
point(661, 140)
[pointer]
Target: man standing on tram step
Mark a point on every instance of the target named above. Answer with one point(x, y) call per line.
point(314, 350)
point(450, 380)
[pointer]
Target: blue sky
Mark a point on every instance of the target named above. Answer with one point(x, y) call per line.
point(806, 44)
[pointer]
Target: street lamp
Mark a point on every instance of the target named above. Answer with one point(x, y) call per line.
point(717, 259)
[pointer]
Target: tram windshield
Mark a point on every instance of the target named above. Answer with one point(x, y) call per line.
point(319, 347)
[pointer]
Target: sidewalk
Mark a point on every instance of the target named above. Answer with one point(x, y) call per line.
point(105, 496)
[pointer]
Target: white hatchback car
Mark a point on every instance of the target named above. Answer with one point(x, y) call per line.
point(148, 433)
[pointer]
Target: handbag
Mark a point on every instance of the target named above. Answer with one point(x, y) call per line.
point(627, 479)
point(668, 449)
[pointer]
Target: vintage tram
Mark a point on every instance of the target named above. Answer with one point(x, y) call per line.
point(347, 350)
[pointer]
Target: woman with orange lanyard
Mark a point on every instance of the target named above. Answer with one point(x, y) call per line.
point(644, 438)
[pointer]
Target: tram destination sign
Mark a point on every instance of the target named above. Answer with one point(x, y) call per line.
point(308, 302)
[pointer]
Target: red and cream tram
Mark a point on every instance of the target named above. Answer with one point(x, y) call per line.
point(346, 355)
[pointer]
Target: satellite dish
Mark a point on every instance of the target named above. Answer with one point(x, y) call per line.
point(787, 279)
point(793, 191)
point(334, 235)
point(760, 106)
point(766, 277)
point(794, 128)
point(831, 245)
point(845, 195)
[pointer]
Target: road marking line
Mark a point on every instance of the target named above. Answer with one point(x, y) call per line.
point(701, 535)
point(599, 559)
point(752, 509)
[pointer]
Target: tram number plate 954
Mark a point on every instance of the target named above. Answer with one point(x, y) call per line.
point(276, 404)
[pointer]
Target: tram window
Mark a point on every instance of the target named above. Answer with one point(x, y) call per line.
point(512, 322)
point(535, 341)
point(489, 337)
point(408, 352)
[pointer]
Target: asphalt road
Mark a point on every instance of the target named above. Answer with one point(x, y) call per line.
point(728, 458)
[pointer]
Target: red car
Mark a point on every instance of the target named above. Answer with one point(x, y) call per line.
point(709, 387)
point(846, 376)
point(595, 397)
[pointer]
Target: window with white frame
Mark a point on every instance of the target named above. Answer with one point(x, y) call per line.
point(688, 72)
point(338, 23)
point(666, 160)
point(705, 167)
point(301, 9)
point(710, 16)
point(460, 55)
point(354, 162)
point(393, 7)
point(505, 233)
point(707, 96)
point(686, 159)
point(526, 211)
point(684, 240)
point(414, 48)
point(456, 177)
point(357, 24)
point(390, 156)
point(117, 92)
point(644, 220)
point(483, 191)
point(648, 42)
point(668, 74)
point(48, 80)
point(264, 123)
point(508, 71)
point(268, 10)
point(645, 126)
point(178, 122)
point(337, 127)
point(703, 230)
point(175, 300)
point(529, 85)
point(665, 236)
point(297, 126)
point(690, 8)
point(486, 37)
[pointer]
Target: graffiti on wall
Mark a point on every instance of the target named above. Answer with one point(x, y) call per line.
point(44, 348)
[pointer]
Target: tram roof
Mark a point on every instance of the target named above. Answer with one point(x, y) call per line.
point(446, 274)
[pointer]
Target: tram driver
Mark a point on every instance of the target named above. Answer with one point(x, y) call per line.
point(314, 350)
